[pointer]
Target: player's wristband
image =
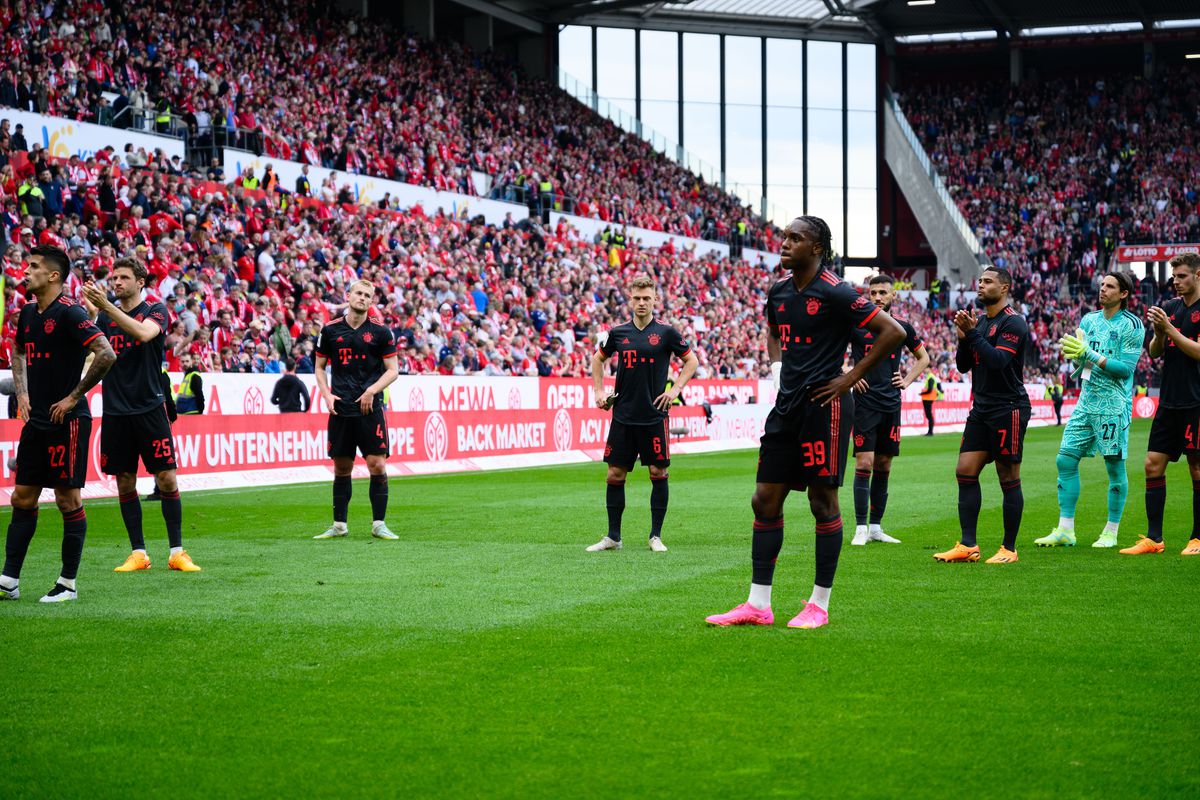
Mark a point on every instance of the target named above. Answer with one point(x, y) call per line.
point(1091, 356)
point(776, 371)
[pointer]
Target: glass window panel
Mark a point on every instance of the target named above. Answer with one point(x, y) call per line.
point(864, 224)
point(860, 77)
point(861, 156)
point(785, 67)
point(827, 204)
point(784, 203)
point(615, 68)
point(861, 160)
point(660, 124)
point(660, 65)
point(785, 163)
point(824, 148)
point(785, 130)
point(701, 68)
point(575, 53)
point(702, 135)
point(743, 118)
point(825, 75)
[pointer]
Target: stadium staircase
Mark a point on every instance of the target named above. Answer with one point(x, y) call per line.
point(959, 253)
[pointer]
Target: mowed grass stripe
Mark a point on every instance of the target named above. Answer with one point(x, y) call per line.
point(488, 655)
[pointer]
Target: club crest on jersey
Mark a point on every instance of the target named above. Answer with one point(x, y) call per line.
point(49, 326)
point(653, 338)
point(858, 440)
point(992, 331)
point(1195, 317)
point(367, 337)
point(140, 317)
point(813, 306)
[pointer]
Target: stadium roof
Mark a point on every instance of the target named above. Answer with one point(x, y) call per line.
point(858, 19)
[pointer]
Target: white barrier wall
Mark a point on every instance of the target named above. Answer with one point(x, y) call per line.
point(66, 138)
point(590, 227)
point(368, 190)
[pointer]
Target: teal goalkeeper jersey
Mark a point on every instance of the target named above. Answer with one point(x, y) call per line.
point(1119, 339)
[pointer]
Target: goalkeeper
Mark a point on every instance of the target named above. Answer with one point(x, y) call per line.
point(1105, 351)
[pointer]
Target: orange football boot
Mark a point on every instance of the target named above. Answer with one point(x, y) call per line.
point(182, 562)
point(137, 560)
point(1144, 545)
point(959, 552)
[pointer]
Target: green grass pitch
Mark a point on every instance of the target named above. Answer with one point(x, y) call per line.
point(486, 654)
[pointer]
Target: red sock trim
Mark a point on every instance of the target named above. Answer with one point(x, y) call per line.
point(767, 524)
point(169, 495)
point(611, 482)
point(830, 525)
point(74, 516)
point(659, 478)
point(1008, 487)
point(862, 473)
point(966, 480)
point(1156, 483)
point(128, 498)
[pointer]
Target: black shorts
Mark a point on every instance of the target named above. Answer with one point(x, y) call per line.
point(349, 435)
point(876, 431)
point(125, 439)
point(807, 445)
point(626, 443)
point(1001, 434)
point(1175, 431)
point(56, 456)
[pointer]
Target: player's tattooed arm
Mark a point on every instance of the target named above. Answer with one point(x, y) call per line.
point(20, 384)
point(103, 358)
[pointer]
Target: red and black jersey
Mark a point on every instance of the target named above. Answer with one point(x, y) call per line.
point(882, 395)
point(643, 363)
point(813, 326)
point(994, 351)
point(134, 384)
point(356, 359)
point(1181, 373)
point(55, 342)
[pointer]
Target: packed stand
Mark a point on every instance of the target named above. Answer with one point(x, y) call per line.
point(249, 283)
point(1053, 174)
point(351, 95)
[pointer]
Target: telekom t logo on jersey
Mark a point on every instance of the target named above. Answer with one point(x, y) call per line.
point(345, 354)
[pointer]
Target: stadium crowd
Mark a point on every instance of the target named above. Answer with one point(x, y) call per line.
point(249, 279)
point(329, 90)
point(248, 282)
point(1053, 174)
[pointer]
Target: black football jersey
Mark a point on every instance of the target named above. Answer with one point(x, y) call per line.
point(996, 388)
point(134, 385)
point(55, 343)
point(882, 395)
point(814, 328)
point(643, 363)
point(1181, 374)
point(356, 360)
